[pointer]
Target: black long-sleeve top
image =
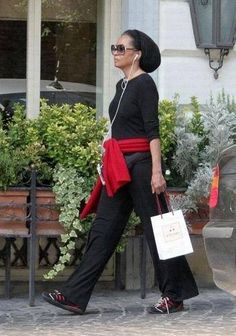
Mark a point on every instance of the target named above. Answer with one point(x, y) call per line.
point(137, 116)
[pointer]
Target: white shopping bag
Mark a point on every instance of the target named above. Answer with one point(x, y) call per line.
point(171, 235)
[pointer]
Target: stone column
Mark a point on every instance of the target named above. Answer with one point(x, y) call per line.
point(109, 28)
point(142, 15)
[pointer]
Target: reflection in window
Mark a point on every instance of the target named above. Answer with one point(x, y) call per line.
point(69, 41)
point(13, 38)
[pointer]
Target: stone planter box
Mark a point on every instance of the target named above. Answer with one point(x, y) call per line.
point(13, 212)
point(47, 214)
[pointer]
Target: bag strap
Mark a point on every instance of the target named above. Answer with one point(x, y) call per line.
point(167, 199)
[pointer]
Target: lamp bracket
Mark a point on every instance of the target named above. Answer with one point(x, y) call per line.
point(216, 58)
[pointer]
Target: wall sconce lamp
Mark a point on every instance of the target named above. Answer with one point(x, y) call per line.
point(214, 27)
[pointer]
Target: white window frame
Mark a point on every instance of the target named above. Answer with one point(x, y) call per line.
point(33, 64)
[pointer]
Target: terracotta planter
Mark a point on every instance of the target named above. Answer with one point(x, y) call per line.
point(13, 212)
point(47, 214)
point(196, 220)
point(175, 191)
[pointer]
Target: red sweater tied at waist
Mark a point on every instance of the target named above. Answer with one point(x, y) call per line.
point(115, 171)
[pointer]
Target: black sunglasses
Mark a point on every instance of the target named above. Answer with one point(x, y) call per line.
point(119, 49)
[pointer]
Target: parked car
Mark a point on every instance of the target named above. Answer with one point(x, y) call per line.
point(14, 91)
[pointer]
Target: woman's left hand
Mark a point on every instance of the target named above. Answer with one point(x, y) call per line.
point(158, 183)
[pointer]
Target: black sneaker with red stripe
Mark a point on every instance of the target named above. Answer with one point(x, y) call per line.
point(166, 306)
point(57, 299)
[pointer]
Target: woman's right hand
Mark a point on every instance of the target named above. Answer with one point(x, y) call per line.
point(158, 183)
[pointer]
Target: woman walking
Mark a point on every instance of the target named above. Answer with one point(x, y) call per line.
point(130, 177)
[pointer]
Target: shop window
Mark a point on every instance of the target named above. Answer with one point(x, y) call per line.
point(68, 50)
point(68, 45)
point(12, 39)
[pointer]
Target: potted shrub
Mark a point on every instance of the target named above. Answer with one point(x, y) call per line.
point(169, 111)
point(201, 133)
point(14, 167)
point(72, 136)
point(63, 146)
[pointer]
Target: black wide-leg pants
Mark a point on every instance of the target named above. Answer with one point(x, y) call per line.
point(174, 276)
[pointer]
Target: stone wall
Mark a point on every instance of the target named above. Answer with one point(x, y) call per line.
point(185, 69)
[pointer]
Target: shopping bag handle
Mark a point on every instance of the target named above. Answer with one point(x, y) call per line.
point(167, 199)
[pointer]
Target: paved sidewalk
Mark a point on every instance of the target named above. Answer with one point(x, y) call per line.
point(121, 313)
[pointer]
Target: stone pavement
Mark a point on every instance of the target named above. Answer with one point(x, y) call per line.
point(121, 313)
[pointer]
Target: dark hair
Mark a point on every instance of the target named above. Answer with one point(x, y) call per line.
point(151, 57)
